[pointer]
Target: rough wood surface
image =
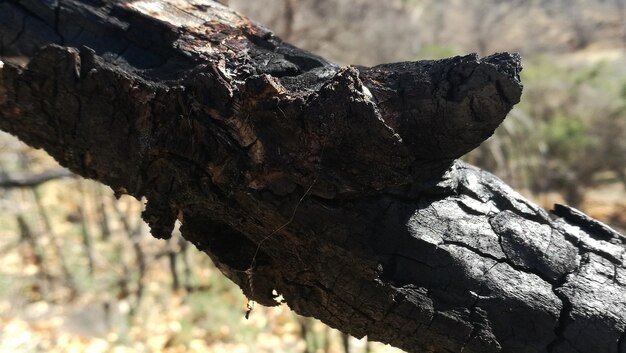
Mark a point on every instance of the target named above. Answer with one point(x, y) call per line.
point(335, 187)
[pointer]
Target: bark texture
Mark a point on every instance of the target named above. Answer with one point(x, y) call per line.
point(335, 187)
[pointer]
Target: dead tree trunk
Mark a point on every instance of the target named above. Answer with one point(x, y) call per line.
point(335, 187)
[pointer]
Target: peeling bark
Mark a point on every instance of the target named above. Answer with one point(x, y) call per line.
point(336, 187)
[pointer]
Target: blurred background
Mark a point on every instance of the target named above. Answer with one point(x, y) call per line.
point(80, 273)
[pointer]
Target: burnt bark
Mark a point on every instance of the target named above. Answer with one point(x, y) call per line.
point(337, 187)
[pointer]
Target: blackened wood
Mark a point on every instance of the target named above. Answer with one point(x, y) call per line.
point(335, 187)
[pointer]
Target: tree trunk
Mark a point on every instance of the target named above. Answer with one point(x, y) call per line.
point(335, 187)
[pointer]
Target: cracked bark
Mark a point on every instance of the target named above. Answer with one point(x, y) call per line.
point(336, 187)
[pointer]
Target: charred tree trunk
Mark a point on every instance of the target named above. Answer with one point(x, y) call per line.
point(335, 187)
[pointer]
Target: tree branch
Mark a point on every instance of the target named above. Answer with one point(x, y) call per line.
point(28, 180)
point(335, 187)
